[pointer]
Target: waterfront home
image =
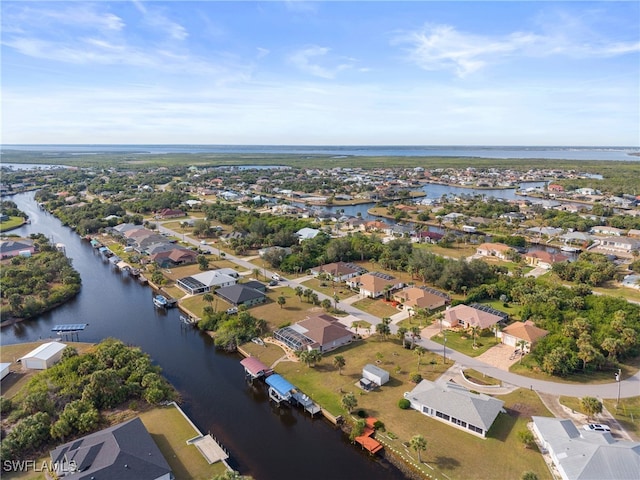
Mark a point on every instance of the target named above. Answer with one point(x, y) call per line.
point(12, 248)
point(413, 298)
point(339, 271)
point(579, 454)
point(207, 281)
point(456, 406)
point(125, 451)
point(618, 244)
point(426, 236)
point(176, 256)
point(606, 230)
point(374, 284)
point(475, 315)
point(242, 294)
point(44, 356)
point(526, 331)
point(498, 250)
point(543, 259)
point(319, 332)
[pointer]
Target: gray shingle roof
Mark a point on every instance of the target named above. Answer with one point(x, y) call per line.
point(123, 452)
point(474, 408)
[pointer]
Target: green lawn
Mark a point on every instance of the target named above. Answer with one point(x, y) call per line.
point(529, 368)
point(627, 414)
point(462, 341)
point(294, 310)
point(459, 251)
point(480, 378)
point(13, 222)
point(170, 430)
point(376, 307)
point(450, 451)
point(329, 288)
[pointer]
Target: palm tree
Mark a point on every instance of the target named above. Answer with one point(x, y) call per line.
point(336, 299)
point(307, 294)
point(349, 402)
point(415, 334)
point(315, 356)
point(256, 272)
point(281, 300)
point(419, 444)
point(305, 357)
point(474, 331)
point(208, 297)
point(299, 292)
point(339, 362)
point(326, 304)
point(521, 344)
point(402, 332)
point(419, 351)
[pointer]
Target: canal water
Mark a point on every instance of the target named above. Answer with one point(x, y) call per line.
point(264, 441)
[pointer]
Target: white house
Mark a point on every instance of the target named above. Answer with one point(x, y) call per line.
point(4, 370)
point(43, 357)
point(306, 233)
point(578, 454)
point(375, 374)
point(208, 281)
point(454, 405)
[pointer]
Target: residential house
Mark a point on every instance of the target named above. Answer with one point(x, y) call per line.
point(170, 213)
point(474, 315)
point(618, 244)
point(206, 281)
point(456, 406)
point(413, 298)
point(307, 233)
point(374, 226)
point(606, 230)
point(426, 236)
point(631, 281)
point(125, 452)
point(543, 259)
point(374, 284)
point(582, 455)
point(176, 256)
point(320, 332)
point(498, 250)
point(526, 331)
point(339, 271)
point(12, 248)
point(243, 294)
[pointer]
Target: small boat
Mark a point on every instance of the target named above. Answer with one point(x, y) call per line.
point(160, 301)
point(569, 249)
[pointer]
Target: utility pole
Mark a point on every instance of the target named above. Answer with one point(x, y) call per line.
point(444, 348)
point(618, 378)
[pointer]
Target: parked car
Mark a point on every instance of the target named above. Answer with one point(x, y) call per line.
point(273, 283)
point(596, 427)
point(275, 277)
point(232, 310)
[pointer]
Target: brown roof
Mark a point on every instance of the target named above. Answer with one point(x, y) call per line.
point(525, 331)
point(546, 256)
point(374, 283)
point(417, 297)
point(340, 268)
point(470, 315)
point(324, 329)
point(498, 247)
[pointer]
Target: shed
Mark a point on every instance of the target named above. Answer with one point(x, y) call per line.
point(375, 374)
point(4, 370)
point(44, 356)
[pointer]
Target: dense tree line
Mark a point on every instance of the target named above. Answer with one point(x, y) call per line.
point(66, 400)
point(35, 284)
point(11, 209)
point(592, 269)
point(231, 330)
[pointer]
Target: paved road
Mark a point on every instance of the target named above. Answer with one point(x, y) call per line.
point(629, 387)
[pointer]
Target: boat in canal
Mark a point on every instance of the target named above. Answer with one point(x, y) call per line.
point(160, 301)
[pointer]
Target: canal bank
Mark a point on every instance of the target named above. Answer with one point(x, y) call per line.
point(263, 441)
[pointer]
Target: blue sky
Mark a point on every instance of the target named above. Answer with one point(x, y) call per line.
point(321, 73)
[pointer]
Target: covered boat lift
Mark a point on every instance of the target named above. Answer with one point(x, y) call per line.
point(254, 368)
point(279, 388)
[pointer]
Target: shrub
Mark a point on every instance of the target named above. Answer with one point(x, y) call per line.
point(362, 413)
point(416, 377)
point(403, 403)
point(378, 425)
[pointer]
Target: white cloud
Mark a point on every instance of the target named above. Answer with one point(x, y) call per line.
point(158, 20)
point(443, 47)
point(262, 52)
point(306, 60)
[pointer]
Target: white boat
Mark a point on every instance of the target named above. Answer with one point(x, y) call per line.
point(569, 249)
point(160, 301)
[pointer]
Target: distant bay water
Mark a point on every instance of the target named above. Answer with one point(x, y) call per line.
point(523, 152)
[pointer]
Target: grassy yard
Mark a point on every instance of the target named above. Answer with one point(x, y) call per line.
point(458, 251)
point(462, 341)
point(450, 451)
point(170, 430)
point(627, 414)
point(13, 222)
point(292, 311)
point(376, 307)
point(339, 289)
point(267, 354)
point(324, 383)
point(480, 378)
point(528, 368)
